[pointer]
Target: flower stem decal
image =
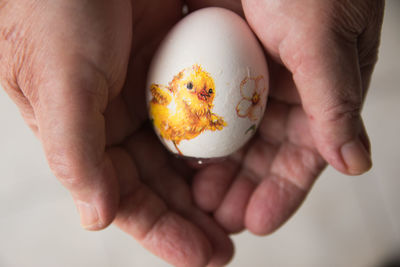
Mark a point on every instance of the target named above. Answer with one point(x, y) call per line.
point(252, 128)
point(254, 94)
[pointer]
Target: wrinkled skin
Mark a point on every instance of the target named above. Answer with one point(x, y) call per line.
point(76, 69)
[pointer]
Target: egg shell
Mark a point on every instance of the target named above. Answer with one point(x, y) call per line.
point(220, 44)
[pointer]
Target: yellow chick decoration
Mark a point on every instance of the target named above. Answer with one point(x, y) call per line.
point(182, 110)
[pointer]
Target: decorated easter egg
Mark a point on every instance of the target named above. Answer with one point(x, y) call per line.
point(207, 85)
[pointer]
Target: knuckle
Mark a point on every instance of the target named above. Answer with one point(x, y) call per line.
point(346, 109)
point(14, 43)
point(20, 46)
point(93, 84)
point(13, 36)
point(16, 68)
point(67, 169)
point(352, 18)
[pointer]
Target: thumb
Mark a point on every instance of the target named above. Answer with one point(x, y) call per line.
point(325, 65)
point(70, 102)
point(64, 58)
point(327, 75)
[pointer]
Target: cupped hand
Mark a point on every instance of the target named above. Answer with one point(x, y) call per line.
point(321, 57)
point(77, 69)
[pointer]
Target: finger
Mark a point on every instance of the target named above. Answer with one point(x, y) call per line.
point(326, 71)
point(289, 172)
point(211, 183)
point(255, 164)
point(222, 246)
point(331, 93)
point(283, 189)
point(272, 203)
point(159, 175)
point(230, 214)
point(72, 130)
point(146, 217)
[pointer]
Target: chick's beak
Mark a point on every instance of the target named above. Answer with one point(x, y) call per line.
point(203, 94)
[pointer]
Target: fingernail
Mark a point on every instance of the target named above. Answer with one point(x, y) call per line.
point(89, 215)
point(356, 157)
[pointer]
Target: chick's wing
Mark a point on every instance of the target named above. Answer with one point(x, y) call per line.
point(161, 94)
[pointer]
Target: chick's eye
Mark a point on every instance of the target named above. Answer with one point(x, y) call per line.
point(189, 85)
point(210, 91)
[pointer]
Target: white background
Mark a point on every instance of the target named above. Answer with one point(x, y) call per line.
point(345, 221)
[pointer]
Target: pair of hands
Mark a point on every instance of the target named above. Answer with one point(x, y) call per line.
point(77, 69)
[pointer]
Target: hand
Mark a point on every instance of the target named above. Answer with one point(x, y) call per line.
point(76, 69)
point(322, 54)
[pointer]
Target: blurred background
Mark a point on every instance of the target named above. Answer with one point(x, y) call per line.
point(345, 221)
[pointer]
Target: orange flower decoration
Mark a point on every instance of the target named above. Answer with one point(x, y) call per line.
point(254, 95)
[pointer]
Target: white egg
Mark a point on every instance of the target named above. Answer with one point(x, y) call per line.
point(207, 85)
